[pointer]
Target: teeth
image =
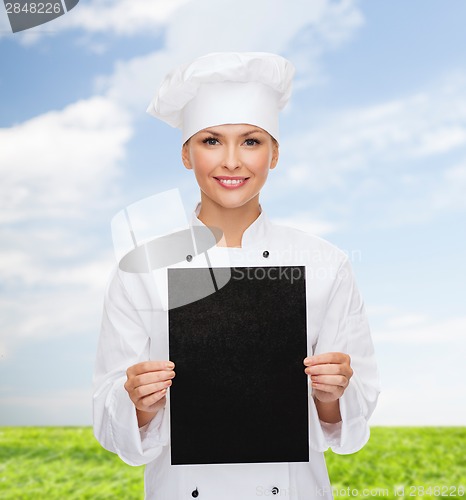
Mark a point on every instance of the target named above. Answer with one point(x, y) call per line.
point(230, 181)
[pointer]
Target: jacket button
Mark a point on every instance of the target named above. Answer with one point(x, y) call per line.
point(195, 493)
point(189, 258)
point(265, 254)
point(275, 491)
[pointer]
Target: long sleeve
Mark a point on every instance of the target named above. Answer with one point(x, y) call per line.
point(345, 329)
point(124, 341)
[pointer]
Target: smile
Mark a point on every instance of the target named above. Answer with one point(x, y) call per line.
point(231, 183)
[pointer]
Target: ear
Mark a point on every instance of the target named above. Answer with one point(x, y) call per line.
point(275, 155)
point(185, 156)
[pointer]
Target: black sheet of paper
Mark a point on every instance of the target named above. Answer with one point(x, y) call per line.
point(240, 394)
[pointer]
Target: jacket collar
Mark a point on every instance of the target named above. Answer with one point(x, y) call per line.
point(253, 235)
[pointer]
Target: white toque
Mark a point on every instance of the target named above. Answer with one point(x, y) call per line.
point(225, 88)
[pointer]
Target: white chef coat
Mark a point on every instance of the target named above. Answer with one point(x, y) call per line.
point(135, 329)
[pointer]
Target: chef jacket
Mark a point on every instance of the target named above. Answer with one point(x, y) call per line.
point(135, 328)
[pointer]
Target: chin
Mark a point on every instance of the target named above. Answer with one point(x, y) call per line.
point(229, 200)
point(232, 204)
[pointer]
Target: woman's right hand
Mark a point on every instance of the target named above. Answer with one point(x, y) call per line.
point(147, 385)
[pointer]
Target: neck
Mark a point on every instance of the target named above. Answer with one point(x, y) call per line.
point(232, 221)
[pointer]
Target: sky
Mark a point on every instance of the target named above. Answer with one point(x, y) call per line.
point(372, 158)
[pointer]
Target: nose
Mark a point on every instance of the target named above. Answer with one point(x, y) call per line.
point(231, 159)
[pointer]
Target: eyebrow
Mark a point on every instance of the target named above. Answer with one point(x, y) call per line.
point(245, 134)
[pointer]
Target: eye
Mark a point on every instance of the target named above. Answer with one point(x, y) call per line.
point(251, 142)
point(211, 141)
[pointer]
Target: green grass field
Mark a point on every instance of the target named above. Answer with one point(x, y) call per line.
point(67, 463)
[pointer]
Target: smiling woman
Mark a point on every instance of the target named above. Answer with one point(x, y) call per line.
point(231, 164)
point(313, 358)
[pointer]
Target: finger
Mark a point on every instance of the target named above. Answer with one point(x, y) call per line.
point(145, 390)
point(158, 405)
point(149, 366)
point(331, 389)
point(146, 404)
point(327, 357)
point(150, 378)
point(335, 380)
point(329, 369)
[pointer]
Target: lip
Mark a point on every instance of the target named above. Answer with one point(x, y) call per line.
point(231, 186)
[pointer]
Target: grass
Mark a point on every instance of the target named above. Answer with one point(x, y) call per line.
point(409, 458)
point(68, 463)
point(62, 463)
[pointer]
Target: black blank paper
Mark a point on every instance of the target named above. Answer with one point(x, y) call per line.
point(240, 394)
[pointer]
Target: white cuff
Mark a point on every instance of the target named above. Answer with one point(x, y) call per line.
point(130, 446)
point(351, 433)
point(151, 433)
point(332, 433)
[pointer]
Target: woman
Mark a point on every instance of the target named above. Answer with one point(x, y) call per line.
point(227, 106)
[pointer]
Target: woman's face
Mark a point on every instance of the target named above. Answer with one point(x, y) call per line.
point(231, 162)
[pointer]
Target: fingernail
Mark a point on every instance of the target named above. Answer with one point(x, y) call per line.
point(170, 365)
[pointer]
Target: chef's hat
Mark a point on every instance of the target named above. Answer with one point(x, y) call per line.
point(225, 88)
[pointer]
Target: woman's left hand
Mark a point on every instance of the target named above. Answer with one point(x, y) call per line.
point(330, 375)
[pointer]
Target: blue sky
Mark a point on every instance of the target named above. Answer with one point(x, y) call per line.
point(373, 158)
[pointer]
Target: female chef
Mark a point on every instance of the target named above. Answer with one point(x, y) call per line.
point(227, 107)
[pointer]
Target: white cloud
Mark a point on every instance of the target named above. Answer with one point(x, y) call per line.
point(122, 17)
point(58, 162)
point(58, 173)
point(35, 263)
point(420, 360)
point(133, 83)
point(379, 310)
point(200, 26)
point(53, 279)
point(420, 404)
point(70, 305)
point(388, 134)
point(457, 174)
point(407, 321)
point(450, 192)
point(399, 163)
point(243, 25)
point(414, 328)
point(303, 30)
point(118, 17)
point(63, 407)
